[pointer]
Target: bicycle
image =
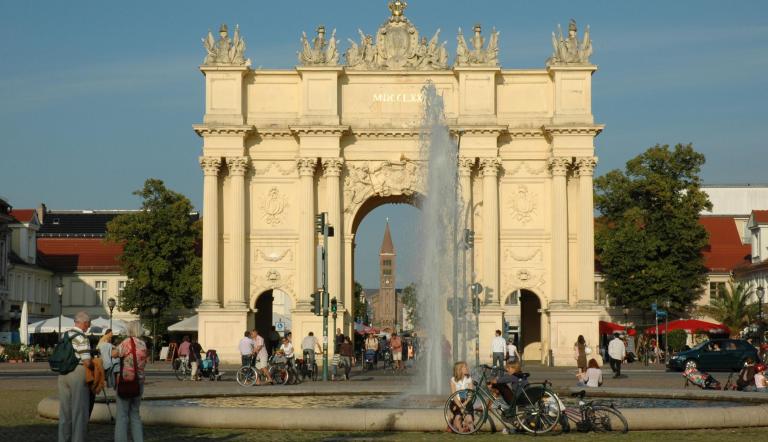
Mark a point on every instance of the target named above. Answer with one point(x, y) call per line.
point(279, 369)
point(597, 416)
point(536, 408)
point(182, 368)
point(247, 375)
point(308, 366)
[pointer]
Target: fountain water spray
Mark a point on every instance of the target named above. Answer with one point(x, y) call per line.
point(439, 227)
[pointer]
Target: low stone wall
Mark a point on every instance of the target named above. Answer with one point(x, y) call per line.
point(402, 419)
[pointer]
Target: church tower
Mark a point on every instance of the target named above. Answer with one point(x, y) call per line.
point(387, 305)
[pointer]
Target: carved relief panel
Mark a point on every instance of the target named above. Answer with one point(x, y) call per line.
point(272, 206)
point(522, 205)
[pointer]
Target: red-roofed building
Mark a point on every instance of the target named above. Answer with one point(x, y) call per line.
point(755, 270)
point(726, 251)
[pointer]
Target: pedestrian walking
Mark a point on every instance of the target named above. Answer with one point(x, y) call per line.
point(616, 352)
point(498, 350)
point(580, 353)
point(512, 353)
point(396, 344)
point(133, 356)
point(245, 347)
point(195, 359)
point(347, 353)
point(262, 357)
point(74, 393)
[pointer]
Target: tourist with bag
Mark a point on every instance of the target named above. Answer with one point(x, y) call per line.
point(130, 384)
point(70, 359)
point(580, 353)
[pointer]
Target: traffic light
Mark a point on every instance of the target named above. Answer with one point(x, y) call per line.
point(476, 305)
point(476, 288)
point(334, 306)
point(469, 238)
point(320, 222)
point(317, 299)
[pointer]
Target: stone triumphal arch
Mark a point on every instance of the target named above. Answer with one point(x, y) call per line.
point(336, 132)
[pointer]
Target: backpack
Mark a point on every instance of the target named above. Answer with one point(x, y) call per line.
point(64, 360)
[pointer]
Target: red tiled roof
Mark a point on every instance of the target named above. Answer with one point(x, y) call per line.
point(79, 254)
point(23, 215)
point(725, 250)
point(760, 216)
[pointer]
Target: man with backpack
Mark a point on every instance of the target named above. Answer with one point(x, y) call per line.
point(70, 359)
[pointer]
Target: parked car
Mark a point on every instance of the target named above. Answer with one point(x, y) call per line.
point(714, 355)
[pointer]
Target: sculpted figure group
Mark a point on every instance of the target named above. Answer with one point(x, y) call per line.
point(570, 50)
point(478, 55)
point(225, 51)
point(320, 52)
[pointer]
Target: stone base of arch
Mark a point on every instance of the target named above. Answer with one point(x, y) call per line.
point(221, 329)
point(566, 323)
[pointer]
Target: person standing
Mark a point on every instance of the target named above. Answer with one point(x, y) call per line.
point(580, 353)
point(194, 358)
point(74, 393)
point(617, 352)
point(287, 348)
point(338, 340)
point(396, 344)
point(347, 353)
point(245, 346)
point(183, 351)
point(498, 349)
point(110, 364)
point(133, 355)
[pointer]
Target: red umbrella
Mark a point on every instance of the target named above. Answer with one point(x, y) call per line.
point(609, 328)
point(690, 325)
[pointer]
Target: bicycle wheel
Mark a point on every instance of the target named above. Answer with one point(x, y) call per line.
point(179, 370)
point(246, 376)
point(537, 410)
point(606, 419)
point(468, 419)
point(280, 375)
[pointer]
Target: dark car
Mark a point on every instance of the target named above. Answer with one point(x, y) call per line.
point(713, 355)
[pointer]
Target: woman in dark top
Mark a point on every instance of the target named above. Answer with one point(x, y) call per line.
point(346, 352)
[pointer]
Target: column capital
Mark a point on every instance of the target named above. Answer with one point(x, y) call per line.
point(332, 166)
point(238, 165)
point(210, 165)
point(306, 166)
point(465, 165)
point(559, 165)
point(490, 166)
point(586, 165)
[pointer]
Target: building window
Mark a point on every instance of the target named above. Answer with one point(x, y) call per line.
point(387, 271)
point(512, 298)
point(716, 290)
point(387, 262)
point(101, 292)
point(120, 289)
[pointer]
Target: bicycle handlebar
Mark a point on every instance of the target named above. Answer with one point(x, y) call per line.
point(579, 394)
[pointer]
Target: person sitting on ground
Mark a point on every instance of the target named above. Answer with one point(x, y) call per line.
point(461, 381)
point(746, 380)
point(761, 382)
point(593, 377)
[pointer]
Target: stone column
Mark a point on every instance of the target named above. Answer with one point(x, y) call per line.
point(238, 298)
point(465, 182)
point(210, 166)
point(331, 172)
point(559, 167)
point(490, 169)
point(586, 168)
point(306, 269)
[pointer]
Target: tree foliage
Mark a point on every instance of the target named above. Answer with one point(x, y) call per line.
point(360, 306)
point(649, 240)
point(159, 251)
point(733, 308)
point(411, 302)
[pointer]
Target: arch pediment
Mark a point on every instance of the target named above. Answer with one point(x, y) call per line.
point(366, 179)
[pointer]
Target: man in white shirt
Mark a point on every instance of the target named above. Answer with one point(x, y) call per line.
point(74, 394)
point(617, 352)
point(308, 346)
point(498, 350)
point(246, 348)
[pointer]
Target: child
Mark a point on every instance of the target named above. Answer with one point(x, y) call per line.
point(761, 383)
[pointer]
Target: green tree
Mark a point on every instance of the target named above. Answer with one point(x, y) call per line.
point(360, 306)
point(733, 308)
point(649, 239)
point(159, 251)
point(410, 300)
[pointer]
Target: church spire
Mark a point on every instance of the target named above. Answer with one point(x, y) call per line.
point(387, 248)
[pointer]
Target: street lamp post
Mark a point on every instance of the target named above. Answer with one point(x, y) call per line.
point(111, 304)
point(760, 294)
point(667, 304)
point(60, 294)
point(154, 331)
point(625, 310)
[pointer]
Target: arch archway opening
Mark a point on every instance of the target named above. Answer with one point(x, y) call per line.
point(530, 326)
point(272, 313)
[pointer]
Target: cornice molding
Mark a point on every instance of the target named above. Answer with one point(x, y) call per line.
point(478, 130)
point(386, 133)
point(205, 130)
point(272, 132)
point(322, 131)
point(526, 132)
point(593, 130)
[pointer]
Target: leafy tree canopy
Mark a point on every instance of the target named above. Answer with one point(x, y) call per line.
point(159, 251)
point(411, 302)
point(649, 239)
point(360, 306)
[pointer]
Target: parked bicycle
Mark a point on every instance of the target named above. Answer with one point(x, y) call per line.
point(536, 408)
point(597, 416)
point(247, 375)
point(182, 368)
point(307, 366)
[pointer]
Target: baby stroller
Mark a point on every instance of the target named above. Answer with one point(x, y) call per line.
point(209, 368)
point(369, 360)
point(701, 379)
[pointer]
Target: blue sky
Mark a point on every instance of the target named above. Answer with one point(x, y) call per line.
point(97, 96)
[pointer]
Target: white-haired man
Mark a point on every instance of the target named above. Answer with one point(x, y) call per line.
point(74, 394)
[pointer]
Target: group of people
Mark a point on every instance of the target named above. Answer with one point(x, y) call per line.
point(400, 349)
point(503, 350)
point(253, 351)
point(110, 364)
point(190, 352)
point(752, 377)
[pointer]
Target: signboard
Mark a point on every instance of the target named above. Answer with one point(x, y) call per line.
point(280, 326)
point(164, 353)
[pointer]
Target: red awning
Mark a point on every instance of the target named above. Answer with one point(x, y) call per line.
point(689, 325)
point(609, 328)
